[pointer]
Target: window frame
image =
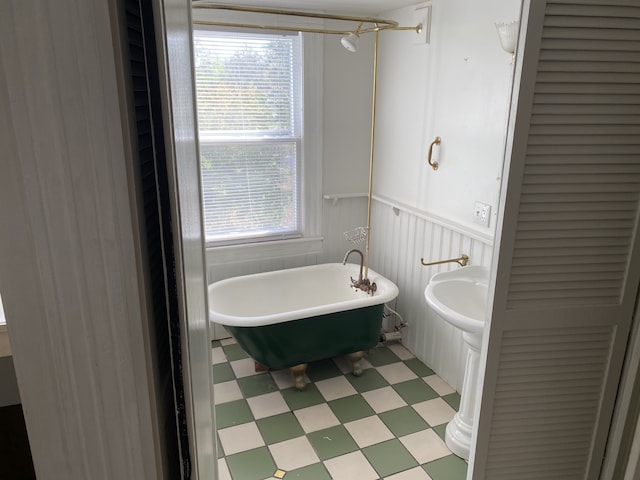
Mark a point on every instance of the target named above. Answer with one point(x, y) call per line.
point(309, 166)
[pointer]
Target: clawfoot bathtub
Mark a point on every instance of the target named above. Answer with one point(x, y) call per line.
point(288, 318)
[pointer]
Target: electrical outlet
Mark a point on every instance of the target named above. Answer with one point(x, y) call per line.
point(481, 213)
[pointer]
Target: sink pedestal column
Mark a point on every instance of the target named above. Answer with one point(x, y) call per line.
point(459, 430)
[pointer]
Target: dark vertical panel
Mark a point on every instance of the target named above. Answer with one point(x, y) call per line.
point(153, 188)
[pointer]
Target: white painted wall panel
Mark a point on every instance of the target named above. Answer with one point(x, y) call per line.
point(67, 257)
point(458, 88)
point(347, 98)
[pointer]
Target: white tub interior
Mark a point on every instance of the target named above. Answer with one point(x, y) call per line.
point(284, 295)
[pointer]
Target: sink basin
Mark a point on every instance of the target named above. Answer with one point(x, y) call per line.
point(460, 297)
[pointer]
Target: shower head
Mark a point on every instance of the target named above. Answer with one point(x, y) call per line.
point(350, 42)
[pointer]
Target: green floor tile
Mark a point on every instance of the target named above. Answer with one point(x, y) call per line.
point(351, 408)
point(415, 391)
point(453, 399)
point(389, 457)
point(381, 356)
point(403, 421)
point(440, 430)
point(418, 367)
point(447, 468)
point(369, 380)
point(233, 413)
point(307, 398)
point(317, 471)
point(234, 352)
point(279, 428)
point(215, 343)
point(255, 385)
point(323, 370)
point(222, 372)
point(254, 464)
point(332, 442)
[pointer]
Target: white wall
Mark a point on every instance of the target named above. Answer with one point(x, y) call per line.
point(458, 88)
point(348, 87)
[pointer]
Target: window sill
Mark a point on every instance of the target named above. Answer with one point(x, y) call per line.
point(264, 250)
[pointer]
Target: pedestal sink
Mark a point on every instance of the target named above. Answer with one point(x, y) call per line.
point(460, 298)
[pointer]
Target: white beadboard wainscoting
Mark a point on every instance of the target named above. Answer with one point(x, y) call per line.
point(400, 237)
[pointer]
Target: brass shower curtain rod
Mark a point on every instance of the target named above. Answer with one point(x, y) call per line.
point(377, 24)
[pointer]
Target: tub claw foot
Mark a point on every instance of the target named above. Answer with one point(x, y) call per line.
point(258, 367)
point(355, 358)
point(298, 376)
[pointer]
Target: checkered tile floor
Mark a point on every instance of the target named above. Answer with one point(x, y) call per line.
point(386, 424)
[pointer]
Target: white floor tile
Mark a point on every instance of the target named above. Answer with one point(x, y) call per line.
point(336, 387)
point(435, 412)
point(425, 446)
point(226, 392)
point(368, 431)
point(240, 438)
point(223, 470)
point(350, 467)
point(294, 453)
point(417, 473)
point(383, 399)
point(396, 373)
point(244, 367)
point(227, 341)
point(439, 386)
point(217, 355)
point(267, 405)
point(316, 418)
point(401, 352)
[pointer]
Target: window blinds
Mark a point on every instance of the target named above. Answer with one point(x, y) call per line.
point(248, 95)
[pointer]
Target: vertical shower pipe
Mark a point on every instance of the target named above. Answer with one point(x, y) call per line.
point(373, 135)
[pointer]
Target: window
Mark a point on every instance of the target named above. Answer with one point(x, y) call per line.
point(248, 89)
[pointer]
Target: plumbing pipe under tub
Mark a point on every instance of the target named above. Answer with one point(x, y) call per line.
point(390, 336)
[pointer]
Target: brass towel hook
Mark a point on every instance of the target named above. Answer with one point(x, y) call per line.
point(437, 141)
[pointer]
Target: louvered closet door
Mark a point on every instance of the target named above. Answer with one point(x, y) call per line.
point(567, 256)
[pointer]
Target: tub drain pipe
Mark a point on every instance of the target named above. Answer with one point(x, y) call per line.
point(390, 336)
point(395, 335)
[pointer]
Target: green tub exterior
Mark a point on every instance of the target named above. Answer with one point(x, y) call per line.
point(283, 345)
